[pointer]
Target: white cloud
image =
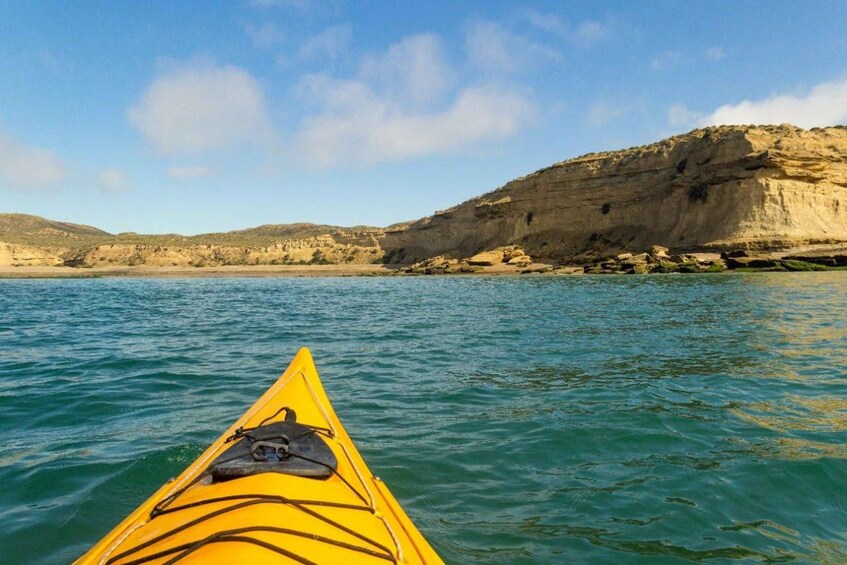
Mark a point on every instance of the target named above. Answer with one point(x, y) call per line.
point(375, 132)
point(331, 43)
point(823, 105)
point(187, 173)
point(112, 180)
point(264, 36)
point(26, 166)
point(603, 112)
point(399, 105)
point(491, 46)
point(196, 108)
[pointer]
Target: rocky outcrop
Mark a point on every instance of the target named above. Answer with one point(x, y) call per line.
point(510, 254)
point(439, 266)
point(838, 260)
point(504, 260)
point(765, 188)
point(657, 261)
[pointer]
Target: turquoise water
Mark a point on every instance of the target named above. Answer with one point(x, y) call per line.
point(661, 419)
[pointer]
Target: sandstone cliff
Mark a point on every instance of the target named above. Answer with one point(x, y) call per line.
point(767, 188)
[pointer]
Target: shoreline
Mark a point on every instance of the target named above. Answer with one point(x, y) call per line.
point(229, 271)
point(237, 271)
point(298, 271)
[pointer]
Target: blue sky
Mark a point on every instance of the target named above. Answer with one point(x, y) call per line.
point(191, 117)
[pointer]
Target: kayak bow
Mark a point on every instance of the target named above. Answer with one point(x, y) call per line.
point(283, 484)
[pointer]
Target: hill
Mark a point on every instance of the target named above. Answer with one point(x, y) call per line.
point(33, 230)
point(36, 241)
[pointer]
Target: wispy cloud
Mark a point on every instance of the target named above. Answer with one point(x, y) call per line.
point(25, 166)
point(589, 33)
point(199, 107)
point(603, 112)
point(413, 71)
point(666, 60)
point(188, 173)
point(494, 47)
point(547, 22)
point(265, 35)
point(680, 115)
point(399, 105)
point(715, 53)
point(112, 180)
point(331, 43)
point(583, 34)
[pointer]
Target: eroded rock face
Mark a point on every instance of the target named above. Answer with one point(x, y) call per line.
point(12, 255)
point(728, 187)
point(330, 248)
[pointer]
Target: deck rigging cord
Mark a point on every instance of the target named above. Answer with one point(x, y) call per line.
point(259, 449)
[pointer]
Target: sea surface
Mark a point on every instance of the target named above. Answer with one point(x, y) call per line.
point(652, 419)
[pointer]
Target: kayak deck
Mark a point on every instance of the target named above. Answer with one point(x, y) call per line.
point(344, 515)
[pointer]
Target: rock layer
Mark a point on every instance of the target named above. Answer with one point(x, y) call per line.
point(12, 255)
point(322, 249)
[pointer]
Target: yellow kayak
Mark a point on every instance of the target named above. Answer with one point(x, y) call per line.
point(283, 484)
